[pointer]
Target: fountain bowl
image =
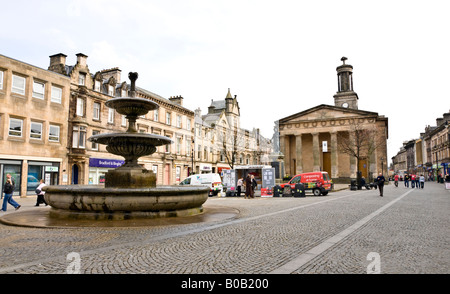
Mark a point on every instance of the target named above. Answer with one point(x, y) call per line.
point(101, 203)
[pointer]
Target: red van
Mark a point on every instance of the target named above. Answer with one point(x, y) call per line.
point(319, 183)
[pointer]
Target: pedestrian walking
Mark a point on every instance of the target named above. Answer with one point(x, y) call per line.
point(380, 181)
point(40, 194)
point(406, 181)
point(422, 181)
point(396, 180)
point(413, 180)
point(8, 189)
point(254, 184)
point(240, 182)
point(8, 177)
point(248, 186)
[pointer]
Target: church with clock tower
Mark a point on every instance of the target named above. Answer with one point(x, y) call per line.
point(340, 139)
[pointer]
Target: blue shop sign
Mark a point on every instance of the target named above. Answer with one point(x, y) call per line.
point(108, 163)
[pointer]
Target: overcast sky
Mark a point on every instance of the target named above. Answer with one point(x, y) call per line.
point(278, 57)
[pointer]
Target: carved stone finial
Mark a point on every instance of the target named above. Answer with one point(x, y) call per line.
point(133, 77)
point(343, 59)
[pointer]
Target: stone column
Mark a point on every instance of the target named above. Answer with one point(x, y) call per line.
point(334, 156)
point(316, 152)
point(353, 167)
point(23, 180)
point(298, 147)
point(284, 148)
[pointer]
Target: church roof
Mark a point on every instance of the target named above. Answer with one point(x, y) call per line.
point(324, 111)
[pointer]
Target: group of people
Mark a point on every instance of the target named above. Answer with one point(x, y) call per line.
point(416, 181)
point(249, 184)
point(8, 190)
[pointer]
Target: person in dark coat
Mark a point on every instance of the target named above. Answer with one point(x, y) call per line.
point(254, 184)
point(8, 189)
point(380, 181)
point(248, 186)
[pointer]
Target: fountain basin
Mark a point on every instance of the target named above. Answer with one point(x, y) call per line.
point(98, 202)
point(132, 106)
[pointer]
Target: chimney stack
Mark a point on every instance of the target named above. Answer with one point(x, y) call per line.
point(177, 100)
point(58, 63)
point(81, 59)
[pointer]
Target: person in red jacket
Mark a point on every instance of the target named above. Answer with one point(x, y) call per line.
point(396, 180)
point(413, 180)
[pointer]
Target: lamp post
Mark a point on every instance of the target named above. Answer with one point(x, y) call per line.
point(192, 157)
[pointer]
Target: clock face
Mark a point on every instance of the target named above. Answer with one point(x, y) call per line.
point(345, 105)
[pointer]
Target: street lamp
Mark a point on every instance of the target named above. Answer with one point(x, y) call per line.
point(192, 156)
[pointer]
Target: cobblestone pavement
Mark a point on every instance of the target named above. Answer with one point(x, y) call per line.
point(406, 231)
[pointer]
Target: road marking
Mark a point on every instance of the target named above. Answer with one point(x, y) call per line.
point(302, 259)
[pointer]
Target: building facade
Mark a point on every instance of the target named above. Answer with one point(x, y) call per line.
point(436, 155)
point(33, 125)
point(399, 165)
point(316, 139)
point(220, 142)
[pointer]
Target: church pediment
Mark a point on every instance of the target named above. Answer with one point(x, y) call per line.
point(325, 112)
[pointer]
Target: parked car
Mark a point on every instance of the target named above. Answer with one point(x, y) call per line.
point(319, 183)
point(211, 180)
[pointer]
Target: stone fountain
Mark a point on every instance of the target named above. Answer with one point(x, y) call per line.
point(130, 191)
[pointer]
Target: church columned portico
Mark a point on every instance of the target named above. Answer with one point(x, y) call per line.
point(312, 140)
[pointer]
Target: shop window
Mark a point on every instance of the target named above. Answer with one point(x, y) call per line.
point(34, 176)
point(16, 172)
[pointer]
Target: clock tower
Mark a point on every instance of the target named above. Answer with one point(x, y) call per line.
point(345, 96)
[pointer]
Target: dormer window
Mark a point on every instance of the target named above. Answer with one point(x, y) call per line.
point(110, 90)
point(81, 79)
point(97, 85)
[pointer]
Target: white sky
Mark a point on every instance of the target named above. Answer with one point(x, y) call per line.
point(278, 57)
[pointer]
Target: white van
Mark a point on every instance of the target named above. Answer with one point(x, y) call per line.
point(211, 180)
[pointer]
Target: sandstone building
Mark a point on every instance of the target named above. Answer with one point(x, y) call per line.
point(33, 125)
point(313, 139)
point(221, 143)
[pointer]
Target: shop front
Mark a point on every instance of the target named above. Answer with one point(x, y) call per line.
point(206, 168)
point(14, 168)
point(40, 170)
point(27, 174)
point(98, 167)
